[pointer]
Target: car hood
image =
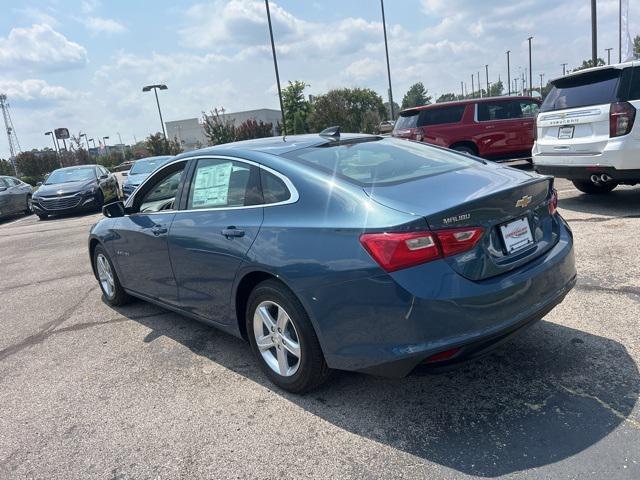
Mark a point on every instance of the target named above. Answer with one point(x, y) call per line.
point(135, 180)
point(63, 188)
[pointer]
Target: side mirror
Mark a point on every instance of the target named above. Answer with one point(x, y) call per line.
point(104, 177)
point(114, 210)
point(39, 184)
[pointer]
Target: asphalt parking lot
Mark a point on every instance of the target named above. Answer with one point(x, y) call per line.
point(87, 391)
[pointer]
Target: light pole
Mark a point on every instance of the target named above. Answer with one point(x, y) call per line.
point(386, 50)
point(106, 147)
point(486, 68)
point(620, 31)
point(275, 64)
point(55, 146)
point(155, 89)
point(541, 75)
point(92, 141)
point(564, 69)
point(479, 86)
point(594, 34)
point(473, 87)
point(508, 74)
point(86, 139)
point(462, 89)
point(530, 70)
point(608, 55)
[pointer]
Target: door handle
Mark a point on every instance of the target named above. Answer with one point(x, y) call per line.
point(159, 230)
point(232, 232)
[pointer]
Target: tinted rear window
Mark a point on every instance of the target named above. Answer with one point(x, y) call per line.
point(591, 88)
point(439, 116)
point(384, 161)
point(407, 120)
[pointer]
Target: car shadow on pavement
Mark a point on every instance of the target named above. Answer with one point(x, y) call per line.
point(547, 395)
point(622, 202)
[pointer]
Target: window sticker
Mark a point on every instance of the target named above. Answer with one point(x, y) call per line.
point(212, 185)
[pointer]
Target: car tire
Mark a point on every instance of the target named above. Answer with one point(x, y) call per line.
point(592, 188)
point(42, 216)
point(28, 209)
point(271, 301)
point(108, 280)
point(464, 149)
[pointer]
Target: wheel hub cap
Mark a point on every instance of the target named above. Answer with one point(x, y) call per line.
point(277, 338)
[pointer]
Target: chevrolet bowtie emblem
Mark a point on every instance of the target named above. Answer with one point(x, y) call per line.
point(524, 201)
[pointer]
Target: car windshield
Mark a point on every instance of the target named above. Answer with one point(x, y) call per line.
point(591, 88)
point(375, 162)
point(71, 175)
point(147, 165)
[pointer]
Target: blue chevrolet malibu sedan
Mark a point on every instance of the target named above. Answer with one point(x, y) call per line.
point(332, 251)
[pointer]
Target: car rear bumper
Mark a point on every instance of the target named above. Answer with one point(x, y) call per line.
point(385, 329)
point(584, 173)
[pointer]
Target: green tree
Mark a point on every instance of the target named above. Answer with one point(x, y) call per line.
point(218, 128)
point(6, 168)
point(589, 64)
point(496, 89)
point(396, 109)
point(158, 145)
point(447, 97)
point(416, 96)
point(295, 104)
point(251, 129)
point(353, 109)
point(35, 165)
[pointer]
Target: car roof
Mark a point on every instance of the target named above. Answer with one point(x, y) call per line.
point(276, 145)
point(467, 101)
point(616, 66)
point(76, 167)
point(157, 157)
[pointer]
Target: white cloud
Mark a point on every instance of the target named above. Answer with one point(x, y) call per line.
point(40, 47)
point(104, 25)
point(38, 15)
point(33, 90)
point(89, 6)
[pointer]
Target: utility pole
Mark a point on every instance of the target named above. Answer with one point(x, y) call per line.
point(564, 69)
point(541, 75)
point(386, 50)
point(462, 89)
point(479, 86)
point(508, 74)
point(486, 68)
point(515, 81)
point(530, 70)
point(473, 88)
point(608, 55)
point(594, 34)
point(275, 65)
point(620, 31)
point(14, 145)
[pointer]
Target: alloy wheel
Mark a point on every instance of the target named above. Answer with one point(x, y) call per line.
point(105, 275)
point(277, 338)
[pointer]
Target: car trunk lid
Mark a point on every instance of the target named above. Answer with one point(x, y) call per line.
point(491, 197)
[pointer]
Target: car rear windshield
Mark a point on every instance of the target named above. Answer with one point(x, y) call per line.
point(590, 88)
point(147, 165)
point(385, 161)
point(71, 175)
point(407, 120)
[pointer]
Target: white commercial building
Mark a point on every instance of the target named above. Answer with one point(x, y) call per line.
point(190, 132)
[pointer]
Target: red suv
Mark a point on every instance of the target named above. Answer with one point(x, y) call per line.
point(495, 128)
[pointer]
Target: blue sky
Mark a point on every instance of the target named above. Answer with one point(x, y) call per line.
point(81, 64)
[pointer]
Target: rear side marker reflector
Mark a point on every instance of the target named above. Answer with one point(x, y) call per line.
point(397, 250)
point(442, 356)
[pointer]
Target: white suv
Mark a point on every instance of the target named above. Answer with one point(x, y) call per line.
point(586, 128)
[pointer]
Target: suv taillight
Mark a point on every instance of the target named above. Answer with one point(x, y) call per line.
point(397, 250)
point(621, 117)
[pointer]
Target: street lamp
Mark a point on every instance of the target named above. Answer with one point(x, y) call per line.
point(92, 141)
point(486, 68)
point(55, 146)
point(564, 69)
point(106, 147)
point(508, 73)
point(155, 89)
point(530, 70)
point(86, 140)
point(541, 75)
point(608, 55)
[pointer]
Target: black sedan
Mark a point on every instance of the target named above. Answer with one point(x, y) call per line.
point(15, 197)
point(75, 189)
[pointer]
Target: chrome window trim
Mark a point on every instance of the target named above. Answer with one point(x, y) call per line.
point(294, 196)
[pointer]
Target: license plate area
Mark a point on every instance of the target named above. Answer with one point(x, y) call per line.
point(516, 234)
point(565, 133)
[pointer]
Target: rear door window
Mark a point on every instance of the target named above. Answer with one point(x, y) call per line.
point(590, 88)
point(501, 110)
point(440, 116)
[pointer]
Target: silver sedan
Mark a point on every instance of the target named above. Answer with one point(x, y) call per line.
point(15, 196)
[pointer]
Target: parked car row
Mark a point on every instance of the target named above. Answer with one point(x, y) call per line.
point(340, 251)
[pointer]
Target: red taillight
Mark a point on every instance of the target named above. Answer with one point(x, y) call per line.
point(621, 118)
point(397, 250)
point(458, 240)
point(553, 202)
